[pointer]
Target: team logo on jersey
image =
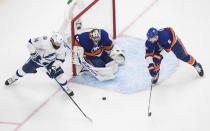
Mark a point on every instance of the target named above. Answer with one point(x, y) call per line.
point(95, 49)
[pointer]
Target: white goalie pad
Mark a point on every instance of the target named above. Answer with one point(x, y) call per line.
point(118, 56)
point(101, 74)
point(105, 70)
point(113, 65)
point(97, 72)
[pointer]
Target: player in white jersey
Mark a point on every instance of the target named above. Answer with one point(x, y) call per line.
point(45, 52)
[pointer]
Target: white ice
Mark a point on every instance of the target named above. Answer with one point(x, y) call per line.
point(36, 103)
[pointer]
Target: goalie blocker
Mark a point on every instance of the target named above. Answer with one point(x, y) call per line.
point(84, 65)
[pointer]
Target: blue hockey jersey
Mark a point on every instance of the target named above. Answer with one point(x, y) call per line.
point(84, 41)
point(166, 40)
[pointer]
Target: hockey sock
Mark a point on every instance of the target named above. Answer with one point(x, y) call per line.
point(19, 73)
point(63, 82)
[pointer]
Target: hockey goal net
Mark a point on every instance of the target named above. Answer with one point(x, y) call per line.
point(96, 14)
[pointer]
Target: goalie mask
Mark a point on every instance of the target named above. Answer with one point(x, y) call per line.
point(56, 40)
point(95, 36)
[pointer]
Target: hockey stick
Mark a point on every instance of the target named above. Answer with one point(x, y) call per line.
point(92, 71)
point(75, 103)
point(149, 112)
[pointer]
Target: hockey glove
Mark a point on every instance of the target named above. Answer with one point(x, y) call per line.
point(52, 72)
point(35, 57)
point(152, 70)
point(157, 58)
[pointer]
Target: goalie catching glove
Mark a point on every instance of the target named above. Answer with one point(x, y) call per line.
point(118, 56)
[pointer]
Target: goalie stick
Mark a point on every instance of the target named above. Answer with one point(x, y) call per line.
point(92, 71)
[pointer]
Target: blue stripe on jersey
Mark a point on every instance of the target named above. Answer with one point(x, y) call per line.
point(30, 41)
point(67, 46)
point(50, 55)
point(62, 60)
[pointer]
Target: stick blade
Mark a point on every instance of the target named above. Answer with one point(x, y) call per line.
point(89, 119)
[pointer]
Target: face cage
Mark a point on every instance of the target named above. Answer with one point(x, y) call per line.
point(153, 39)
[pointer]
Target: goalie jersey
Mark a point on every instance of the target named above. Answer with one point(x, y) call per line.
point(48, 54)
point(84, 41)
point(166, 40)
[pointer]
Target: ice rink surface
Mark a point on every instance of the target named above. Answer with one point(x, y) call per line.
point(135, 67)
point(36, 103)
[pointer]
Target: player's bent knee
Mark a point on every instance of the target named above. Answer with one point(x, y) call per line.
point(59, 71)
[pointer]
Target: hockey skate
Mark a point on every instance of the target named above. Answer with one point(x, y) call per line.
point(68, 91)
point(10, 81)
point(155, 79)
point(71, 94)
point(199, 69)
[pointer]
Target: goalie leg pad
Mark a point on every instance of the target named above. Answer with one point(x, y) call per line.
point(80, 69)
point(103, 71)
point(92, 71)
point(113, 65)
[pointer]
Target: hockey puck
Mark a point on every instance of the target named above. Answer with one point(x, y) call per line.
point(149, 114)
point(103, 98)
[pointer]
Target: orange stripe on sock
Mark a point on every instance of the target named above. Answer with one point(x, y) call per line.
point(157, 67)
point(191, 61)
point(157, 57)
point(151, 68)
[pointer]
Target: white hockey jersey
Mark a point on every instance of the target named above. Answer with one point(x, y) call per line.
point(44, 48)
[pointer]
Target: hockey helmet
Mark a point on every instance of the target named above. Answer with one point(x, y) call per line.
point(152, 32)
point(95, 35)
point(56, 40)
